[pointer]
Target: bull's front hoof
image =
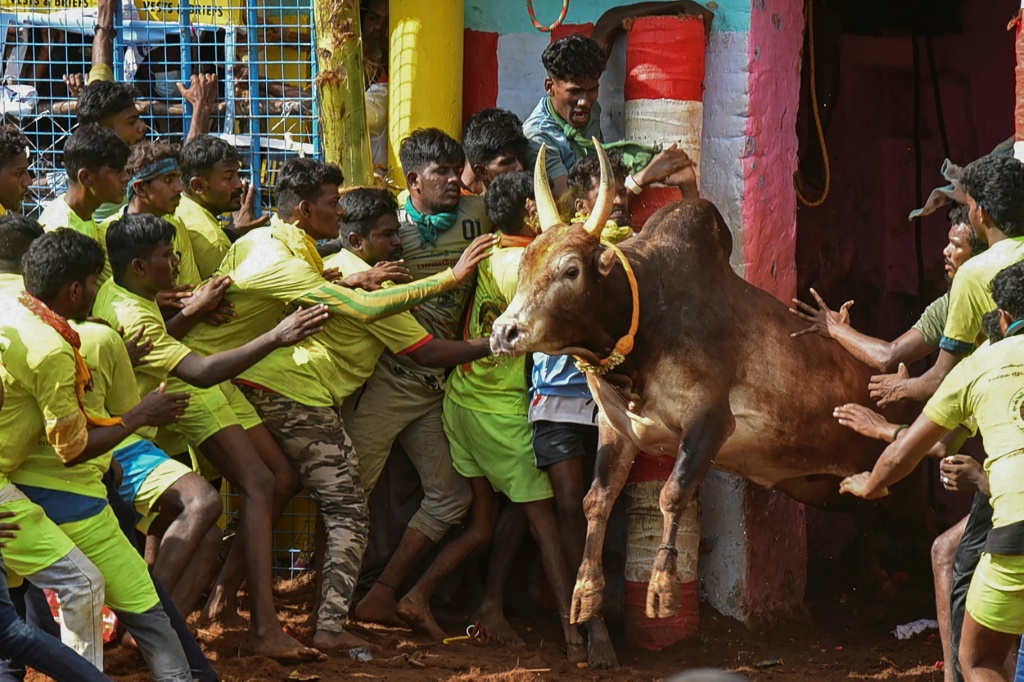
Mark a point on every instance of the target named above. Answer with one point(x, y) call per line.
point(587, 599)
point(664, 595)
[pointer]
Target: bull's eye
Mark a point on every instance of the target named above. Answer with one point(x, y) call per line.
point(572, 273)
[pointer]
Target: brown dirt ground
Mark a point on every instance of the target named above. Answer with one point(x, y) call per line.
point(847, 648)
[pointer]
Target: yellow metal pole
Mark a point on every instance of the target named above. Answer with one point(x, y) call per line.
point(345, 133)
point(425, 71)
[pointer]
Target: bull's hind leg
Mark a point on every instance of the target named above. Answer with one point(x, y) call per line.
point(615, 456)
point(698, 451)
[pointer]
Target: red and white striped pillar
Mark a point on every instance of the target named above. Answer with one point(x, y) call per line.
point(644, 526)
point(664, 93)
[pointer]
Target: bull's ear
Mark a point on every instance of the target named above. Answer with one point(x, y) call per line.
point(605, 262)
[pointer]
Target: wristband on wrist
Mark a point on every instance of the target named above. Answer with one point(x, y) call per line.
point(897, 431)
point(109, 29)
point(632, 185)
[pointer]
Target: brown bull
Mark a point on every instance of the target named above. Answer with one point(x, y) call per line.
point(709, 375)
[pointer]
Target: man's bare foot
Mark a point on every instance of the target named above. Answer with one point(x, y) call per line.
point(328, 641)
point(419, 617)
point(277, 645)
point(864, 421)
point(600, 652)
point(378, 606)
point(222, 611)
point(575, 648)
point(499, 629)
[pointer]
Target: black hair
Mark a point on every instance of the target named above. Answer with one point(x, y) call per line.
point(505, 200)
point(57, 259)
point(91, 147)
point(490, 133)
point(103, 99)
point(16, 234)
point(586, 173)
point(12, 145)
point(148, 152)
point(1008, 290)
point(362, 207)
point(429, 145)
point(573, 58)
point(135, 236)
point(203, 153)
point(990, 325)
point(996, 183)
point(301, 179)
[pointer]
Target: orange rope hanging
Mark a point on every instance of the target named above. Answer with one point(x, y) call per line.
point(541, 27)
point(817, 117)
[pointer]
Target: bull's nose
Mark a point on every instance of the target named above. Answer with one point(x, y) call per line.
point(503, 338)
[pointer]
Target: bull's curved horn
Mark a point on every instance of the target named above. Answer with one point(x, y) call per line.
point(605, 195)
point(547, 209)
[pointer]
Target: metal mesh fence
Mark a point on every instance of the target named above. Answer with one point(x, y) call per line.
point(263, 55)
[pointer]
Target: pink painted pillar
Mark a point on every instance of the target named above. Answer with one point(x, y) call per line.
point(776, 552)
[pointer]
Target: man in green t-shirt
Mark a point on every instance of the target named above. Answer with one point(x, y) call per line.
point(486, 421)
point(210, 169)
point(55, 292)
point(94, 158)
point(219, 422)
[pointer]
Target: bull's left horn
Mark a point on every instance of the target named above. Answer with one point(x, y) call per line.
point(605, 195)
point(547, 209)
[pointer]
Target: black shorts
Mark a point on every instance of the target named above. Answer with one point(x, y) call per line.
point(555, 442)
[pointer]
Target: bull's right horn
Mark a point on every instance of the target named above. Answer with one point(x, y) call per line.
point(605, 194)
point(547, 209)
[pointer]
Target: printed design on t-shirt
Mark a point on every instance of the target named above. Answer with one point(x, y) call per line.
point(488, 313)
point(1017, 405)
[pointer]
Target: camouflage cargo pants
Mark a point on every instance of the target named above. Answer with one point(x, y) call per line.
point(314, 439)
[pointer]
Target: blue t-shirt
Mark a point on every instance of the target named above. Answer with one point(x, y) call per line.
point(557, 375)
point(542, 128)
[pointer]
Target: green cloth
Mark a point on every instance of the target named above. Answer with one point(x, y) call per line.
point(634, 155)
point(430, 225)
point(933, 320)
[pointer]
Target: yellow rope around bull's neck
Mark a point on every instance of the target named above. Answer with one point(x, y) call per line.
point(623, 346)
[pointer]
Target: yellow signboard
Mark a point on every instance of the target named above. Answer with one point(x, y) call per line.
point(219, 12)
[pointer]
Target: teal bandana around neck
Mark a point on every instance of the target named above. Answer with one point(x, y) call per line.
point(633, 154)
point(430, 224)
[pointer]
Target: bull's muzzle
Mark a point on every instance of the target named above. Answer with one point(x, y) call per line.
point(504, 337)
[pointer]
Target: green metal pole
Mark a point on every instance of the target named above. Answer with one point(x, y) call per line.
point(343, 126)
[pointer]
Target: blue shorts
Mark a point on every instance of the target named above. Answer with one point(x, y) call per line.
point(138, 461)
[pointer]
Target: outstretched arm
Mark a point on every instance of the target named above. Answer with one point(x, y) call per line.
point(445, 353)
point(612, 23)
point(873, 352)
point(103, 43)
point(896, 463)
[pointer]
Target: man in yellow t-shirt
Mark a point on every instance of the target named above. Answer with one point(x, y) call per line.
point(94, 158)
point(45, 381)
point(219, 421)
point(995, 196)
point(986, 390)
point(15, 179)
point(272, 269)
point(213, 186)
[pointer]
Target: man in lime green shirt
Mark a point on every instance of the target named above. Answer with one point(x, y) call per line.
point(15, 179)
point(272, 269)
point(219, 421)
point(49, 410)
point(213, 187)
point(995, 197)
point(370, 230)
point(986, 391)
point(94, 158)
point(486, 421)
